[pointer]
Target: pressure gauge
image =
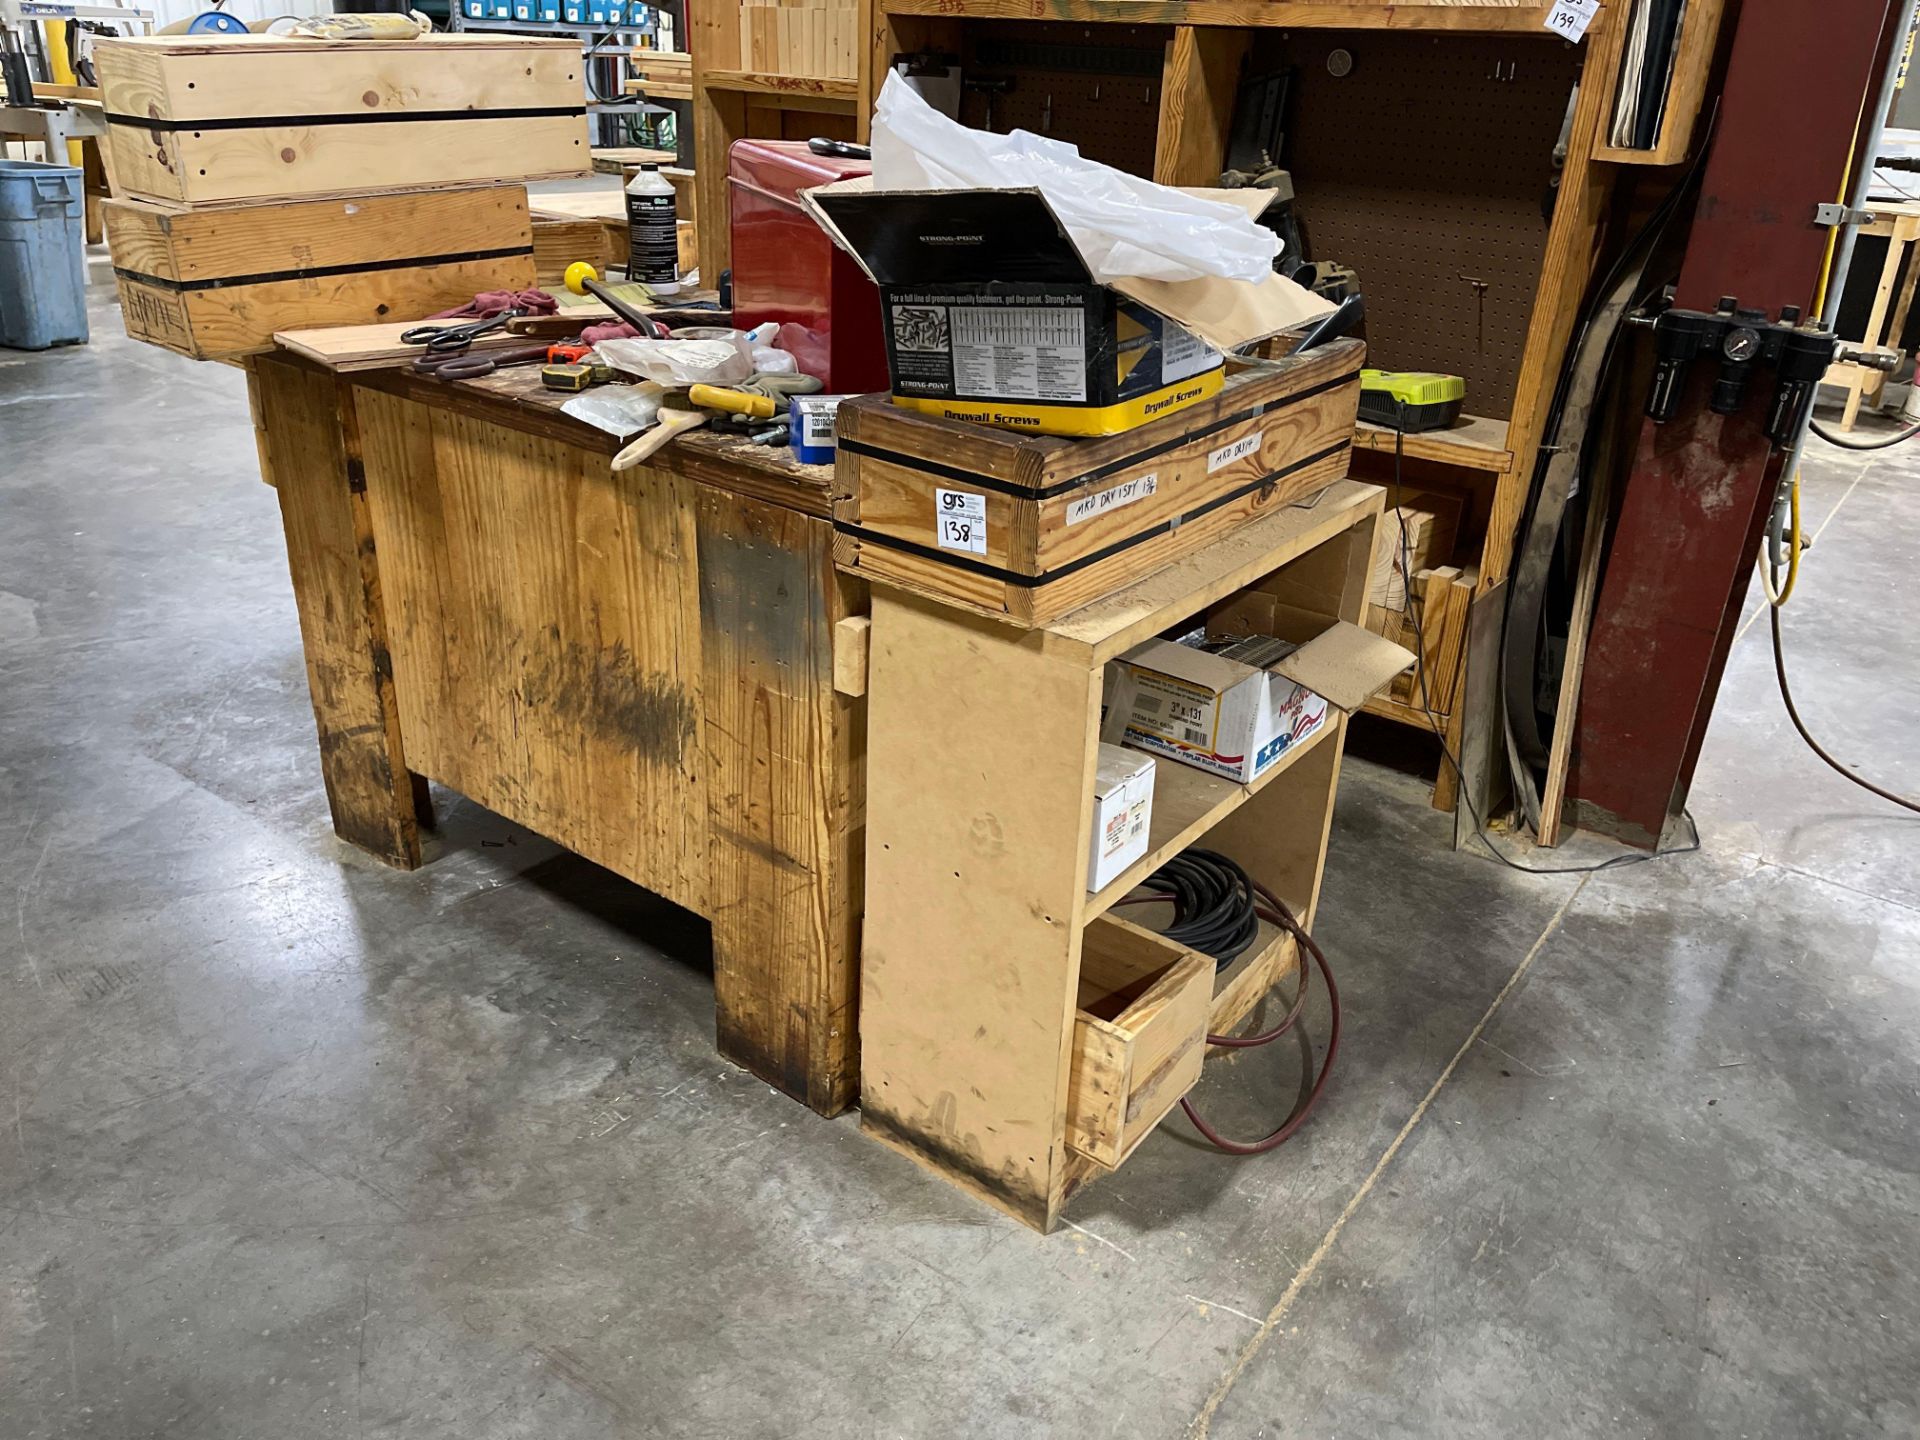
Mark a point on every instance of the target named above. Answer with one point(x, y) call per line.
point(1340, 63)
point(1740, 344)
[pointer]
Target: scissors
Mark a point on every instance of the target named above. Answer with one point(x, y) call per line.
point(442, 339)
point(462, 366)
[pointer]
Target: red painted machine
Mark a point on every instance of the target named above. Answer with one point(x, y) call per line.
point(786, 269)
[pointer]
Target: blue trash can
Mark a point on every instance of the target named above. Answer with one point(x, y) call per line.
point(43, 271)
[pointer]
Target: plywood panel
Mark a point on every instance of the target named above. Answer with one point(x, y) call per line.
point(545, 635)
point(969, 976)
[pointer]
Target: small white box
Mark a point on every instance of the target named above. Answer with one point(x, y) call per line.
point(1236, 716)
point(1122, 811)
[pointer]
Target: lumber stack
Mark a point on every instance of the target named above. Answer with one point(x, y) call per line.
point(1414, 597)
point(661, 74)
point(1025, 528)
point(268, 183)
point(821, 40)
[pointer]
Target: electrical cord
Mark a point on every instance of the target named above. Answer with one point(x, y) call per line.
point(1213, 907)
point(1235, 904)
point(1777, 596)
point(593, 86)
point(1793, 714)
point(1884, 442)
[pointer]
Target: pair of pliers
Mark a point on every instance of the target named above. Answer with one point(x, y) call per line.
point(442, 339)
point(463, 366)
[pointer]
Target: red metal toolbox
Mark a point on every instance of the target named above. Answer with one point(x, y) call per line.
point(786, 269)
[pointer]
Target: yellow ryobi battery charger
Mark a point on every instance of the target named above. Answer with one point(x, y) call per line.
point(1411, 400)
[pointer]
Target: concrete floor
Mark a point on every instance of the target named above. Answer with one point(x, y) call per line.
point(297, 1146)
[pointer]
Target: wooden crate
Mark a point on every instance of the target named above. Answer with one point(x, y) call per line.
point(1028, 527)
point(1139, 1036)
point(218, 283)
point(560, 240)
point(251, 117)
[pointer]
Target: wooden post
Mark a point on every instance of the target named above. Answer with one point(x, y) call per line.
point(313, 448)
point(786, 796)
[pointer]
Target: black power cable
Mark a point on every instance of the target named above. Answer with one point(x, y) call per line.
point(1212, 900)
point(1793, 714)
point(1884, 442)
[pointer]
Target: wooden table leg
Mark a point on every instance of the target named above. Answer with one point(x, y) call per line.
point(312, 440)
point(93, 184)
point(786, 797)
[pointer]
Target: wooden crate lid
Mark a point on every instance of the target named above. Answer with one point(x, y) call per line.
point(179, 81)
point(1042, 464)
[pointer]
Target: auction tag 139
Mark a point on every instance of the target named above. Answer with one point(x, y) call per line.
point(1569, 19)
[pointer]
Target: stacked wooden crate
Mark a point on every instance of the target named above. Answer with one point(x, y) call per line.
point(266, 183)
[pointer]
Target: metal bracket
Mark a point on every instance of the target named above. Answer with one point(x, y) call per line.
point(1868, 357)
point(1832, 216)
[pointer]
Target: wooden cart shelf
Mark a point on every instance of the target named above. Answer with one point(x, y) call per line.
point(1016, 1037)
point(1475, 443)
point(1187, 803)
point(792, 89)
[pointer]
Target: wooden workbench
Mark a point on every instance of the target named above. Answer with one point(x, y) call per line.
point(639, 667)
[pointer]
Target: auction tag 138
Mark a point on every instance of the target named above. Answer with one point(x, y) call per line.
point(960, 521)
point(1569, 19)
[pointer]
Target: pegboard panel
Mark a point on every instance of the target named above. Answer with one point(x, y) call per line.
point(1425, 168)
point(1095, 86)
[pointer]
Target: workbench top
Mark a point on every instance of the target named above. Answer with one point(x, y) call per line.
point(515, 397)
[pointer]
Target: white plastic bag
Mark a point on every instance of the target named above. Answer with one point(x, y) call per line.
point(725, 361)
point(1122, 225)
point(620, 410)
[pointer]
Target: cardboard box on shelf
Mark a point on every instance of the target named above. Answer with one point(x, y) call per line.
point(1235, 712)
point(1122, 811)
point(992, 315)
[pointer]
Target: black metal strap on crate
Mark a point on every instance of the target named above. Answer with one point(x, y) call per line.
point(1132, 458)
point(298, 122)
point(317, 272)
point(1028, 582)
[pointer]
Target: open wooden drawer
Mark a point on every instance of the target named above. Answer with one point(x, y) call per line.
point(1139, 1036)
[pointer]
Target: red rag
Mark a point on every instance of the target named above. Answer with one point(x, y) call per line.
point(489, 303)
point(613, 330)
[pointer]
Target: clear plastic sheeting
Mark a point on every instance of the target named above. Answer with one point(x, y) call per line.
point(720, 361)
point(1124, 227)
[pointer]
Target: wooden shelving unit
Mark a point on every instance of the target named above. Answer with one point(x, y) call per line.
point(808, 84)
point(1686, 91)
point(1017, 1037)
point(1489, 90)
point(1473, 444)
